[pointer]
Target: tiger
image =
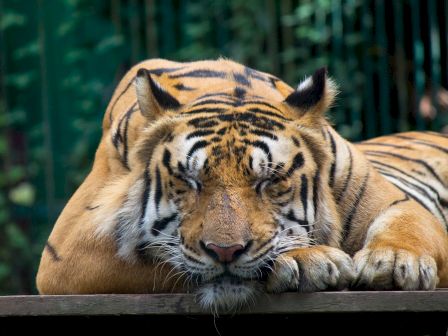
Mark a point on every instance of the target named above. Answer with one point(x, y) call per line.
point(220, 180)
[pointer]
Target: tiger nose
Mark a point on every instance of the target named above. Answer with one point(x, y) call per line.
point(224, 254)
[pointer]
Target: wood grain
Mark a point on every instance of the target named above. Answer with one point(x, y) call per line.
point(184, 304)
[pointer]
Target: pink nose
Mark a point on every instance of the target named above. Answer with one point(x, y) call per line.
point(225, 254)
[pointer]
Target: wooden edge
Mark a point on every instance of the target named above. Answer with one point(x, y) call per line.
point(184, 304)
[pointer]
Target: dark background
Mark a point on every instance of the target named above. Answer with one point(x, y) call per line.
point(61, 59)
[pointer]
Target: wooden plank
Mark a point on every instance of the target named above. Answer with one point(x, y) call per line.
point(184, 304)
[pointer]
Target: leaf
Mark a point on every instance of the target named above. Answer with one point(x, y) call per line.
point(109, 43)
point(24, 194)
point(15, 236)
point(30, 49)
point(21, 80)
point(11, 19)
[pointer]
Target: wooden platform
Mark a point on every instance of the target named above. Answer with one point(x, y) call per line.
point(326, 313)
point(184, 304)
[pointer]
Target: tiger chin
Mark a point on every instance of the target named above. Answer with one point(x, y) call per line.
point(219, 179)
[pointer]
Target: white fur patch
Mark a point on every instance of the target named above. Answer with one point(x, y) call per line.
point(226, 295)
point(198, 158)
point(305, 84)
point(259, 162)
point(280, 149)
point(380, 223)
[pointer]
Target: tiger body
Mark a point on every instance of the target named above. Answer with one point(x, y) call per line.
point(220, 179)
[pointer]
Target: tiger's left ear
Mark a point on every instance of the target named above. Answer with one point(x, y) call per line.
point(152, 98)
point(313, 96)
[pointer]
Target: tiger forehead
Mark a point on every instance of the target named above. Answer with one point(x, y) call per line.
point(225, 147)
point(191, 81)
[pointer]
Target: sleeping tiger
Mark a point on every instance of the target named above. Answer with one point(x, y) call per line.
point(221, 180)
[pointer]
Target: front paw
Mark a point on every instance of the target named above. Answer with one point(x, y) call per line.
point(389, 268)
point(311, 269)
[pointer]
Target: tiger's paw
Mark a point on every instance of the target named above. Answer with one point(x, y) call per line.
point(389, 268)
point(311, 269)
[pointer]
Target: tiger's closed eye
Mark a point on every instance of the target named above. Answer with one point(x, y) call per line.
point(190, 182)
point(261, 185)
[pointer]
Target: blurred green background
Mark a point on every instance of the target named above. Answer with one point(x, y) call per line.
point(61, 59)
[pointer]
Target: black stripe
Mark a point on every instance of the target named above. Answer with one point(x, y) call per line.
point(405, 158)
point(333, 164)
point(198, 145)
point(202, 122)
point(405, 199)
point(161, 71)
point(302, 222)
point(295, 141)
point(375, 162)
point(283, 192)
point(409, 184)
point(297, 163)
point(349, 176)
point(443, 202)
point(251, 118)
point(163, 97)
point(263, 146)
point(221, 131)
point(117, 138)
point(192, 259)
point(414, 198)
point(90, 208)
point(423, 143)
point(214, 102)
point(316, 181)
point(383, 144)
point(239, 92)
point(160, 224)
point(241, 79)
point(53, 252)
point(417, 188)
point(359, 196)
point(259, 102)
point(304, 194)
point(269, 113)
point(200, 133)
point(205, 110)
point(182, 87)
point(251, 73)
point(254, 120)
point(266, 242)
point(125, 138)
point(119, 96)
point(264, 133)
point(201, 73)
point(159, 191)
point(440, 135)
point(145, 195)
point(167, 161)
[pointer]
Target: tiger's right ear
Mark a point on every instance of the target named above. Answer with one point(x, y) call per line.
point(152, 99)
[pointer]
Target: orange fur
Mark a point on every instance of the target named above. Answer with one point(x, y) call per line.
point(228, 209)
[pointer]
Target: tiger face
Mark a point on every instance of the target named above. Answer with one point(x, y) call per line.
point(228, 182)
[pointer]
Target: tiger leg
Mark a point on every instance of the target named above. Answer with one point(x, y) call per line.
point(405, 248)
point(311, 269)
point(91, 266)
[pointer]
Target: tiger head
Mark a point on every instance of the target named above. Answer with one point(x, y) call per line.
point(227, 170)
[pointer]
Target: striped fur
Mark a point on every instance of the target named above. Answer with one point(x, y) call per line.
point(214, 153)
